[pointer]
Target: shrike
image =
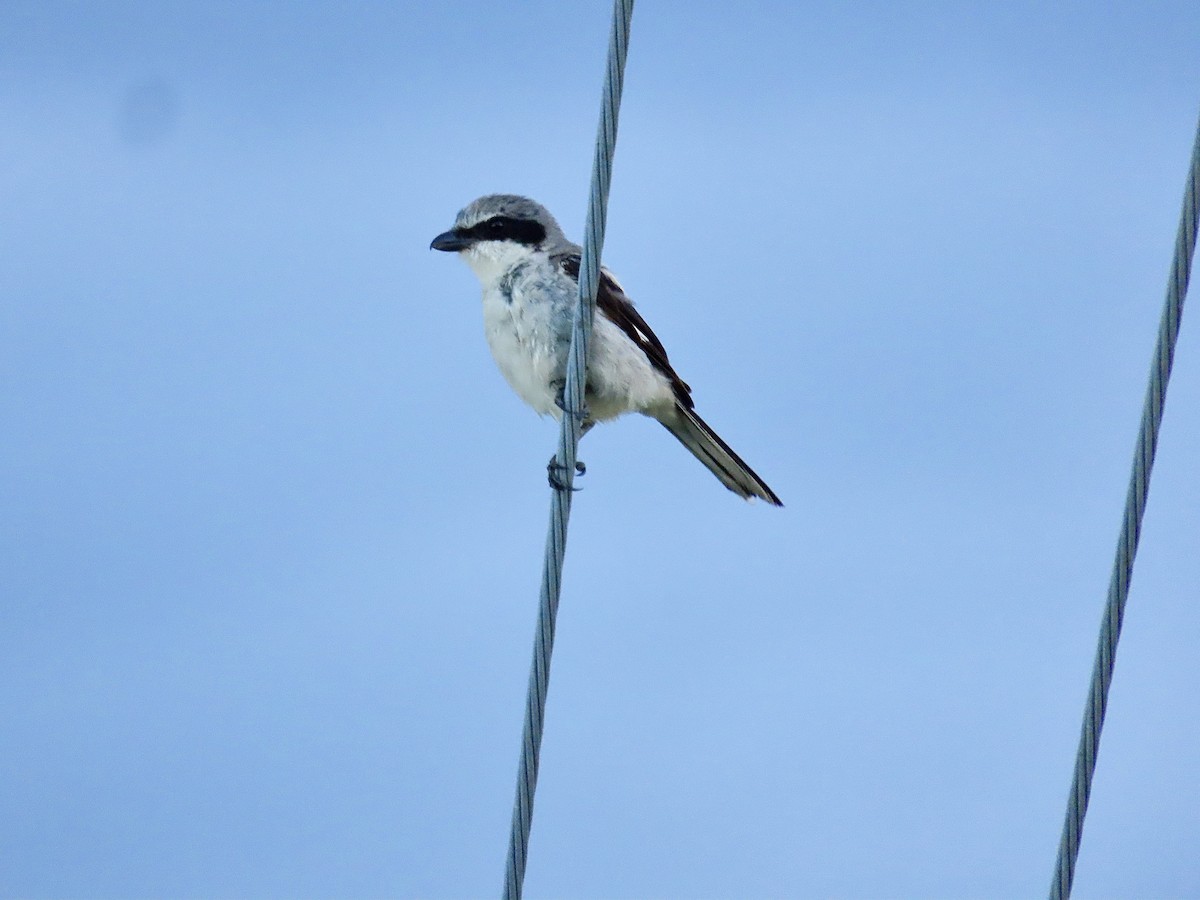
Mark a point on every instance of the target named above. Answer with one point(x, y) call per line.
point(529, 272)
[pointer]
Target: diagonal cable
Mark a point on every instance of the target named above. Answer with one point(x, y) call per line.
point(568, 447)
point(1135, 506)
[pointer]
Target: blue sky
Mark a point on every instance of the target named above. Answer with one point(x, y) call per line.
point(272, 524)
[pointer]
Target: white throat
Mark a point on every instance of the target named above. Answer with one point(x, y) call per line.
point(490, 260)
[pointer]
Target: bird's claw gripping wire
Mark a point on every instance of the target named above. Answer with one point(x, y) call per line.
point(554, 467)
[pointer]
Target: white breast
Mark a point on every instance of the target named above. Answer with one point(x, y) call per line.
point(522, 338)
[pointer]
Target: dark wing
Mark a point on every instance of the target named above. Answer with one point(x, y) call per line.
point(619, 309)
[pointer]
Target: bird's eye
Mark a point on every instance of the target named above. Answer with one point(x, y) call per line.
point(496, 225)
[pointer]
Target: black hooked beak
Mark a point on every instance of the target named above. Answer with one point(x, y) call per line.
point(450, 241)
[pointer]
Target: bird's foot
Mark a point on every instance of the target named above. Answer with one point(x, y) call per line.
point(554, 468)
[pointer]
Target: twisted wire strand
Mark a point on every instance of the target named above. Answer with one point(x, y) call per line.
point(568, 448)
point(1135, 506)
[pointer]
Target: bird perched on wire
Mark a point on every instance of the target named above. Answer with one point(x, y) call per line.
point(529, 272)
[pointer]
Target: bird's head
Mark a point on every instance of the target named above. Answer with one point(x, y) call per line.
point(497, 231)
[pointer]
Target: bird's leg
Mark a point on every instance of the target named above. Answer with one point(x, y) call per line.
point(554, 467)
point(560, 400)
